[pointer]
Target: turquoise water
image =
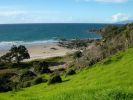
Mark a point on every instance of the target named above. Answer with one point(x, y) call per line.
point(44, 33)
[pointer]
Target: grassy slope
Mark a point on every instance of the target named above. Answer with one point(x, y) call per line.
point(111, 79)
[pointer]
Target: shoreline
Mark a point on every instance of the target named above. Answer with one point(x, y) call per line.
point(43, 51)
point(52, 49)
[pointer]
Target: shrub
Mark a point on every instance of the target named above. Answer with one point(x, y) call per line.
point(28, 75)
point(41, 67)
point(26, 84)
point(89, 57)
point(38, 80)
point(70, 72)
point(77, 54)
point(59, 71)
point(6, 84)
point(2, 65)
point(55, 79)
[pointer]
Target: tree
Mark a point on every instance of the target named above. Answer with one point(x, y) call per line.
point(19, 53)
point(15, 54)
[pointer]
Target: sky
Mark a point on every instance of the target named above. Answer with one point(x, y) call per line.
point(65, 11)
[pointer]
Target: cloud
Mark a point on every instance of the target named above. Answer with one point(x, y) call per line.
point(45, 16)
point(120, 17)
point(105, 1)
point(11, 13)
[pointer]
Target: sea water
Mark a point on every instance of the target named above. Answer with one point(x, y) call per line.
point(29, 34)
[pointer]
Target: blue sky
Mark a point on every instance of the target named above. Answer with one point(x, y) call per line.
point(65, 11)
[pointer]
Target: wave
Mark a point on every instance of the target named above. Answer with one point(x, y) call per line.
point(8, 44)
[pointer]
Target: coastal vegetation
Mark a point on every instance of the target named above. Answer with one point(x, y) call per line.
point(98, 70)
point(110, 79)
point(15, 54)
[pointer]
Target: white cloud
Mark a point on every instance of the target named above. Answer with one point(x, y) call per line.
point(19, 16)
point(11, 13)
point(106, 1)
point(120, 17)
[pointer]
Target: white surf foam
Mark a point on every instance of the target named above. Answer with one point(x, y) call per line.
point(7, 44)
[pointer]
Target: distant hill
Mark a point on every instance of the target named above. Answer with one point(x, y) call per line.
point(125, 22)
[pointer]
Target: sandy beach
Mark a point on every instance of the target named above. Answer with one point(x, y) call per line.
point(44, 51)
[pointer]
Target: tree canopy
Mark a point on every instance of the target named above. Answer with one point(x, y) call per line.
point(15, 54)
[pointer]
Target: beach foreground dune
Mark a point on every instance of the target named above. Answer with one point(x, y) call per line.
point(40, 51)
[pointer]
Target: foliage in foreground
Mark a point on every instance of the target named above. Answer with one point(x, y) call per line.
point(115, 39)
point(41, 67)
point(54, 79)
point(105, 81)
point(39, 80)
point(70, 72)
point(15, 55)
point(111, 79)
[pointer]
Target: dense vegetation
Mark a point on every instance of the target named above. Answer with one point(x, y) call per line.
point(15, 55)
point(115, 39)
point(109, 78)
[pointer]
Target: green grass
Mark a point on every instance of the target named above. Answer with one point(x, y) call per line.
point(111, 79)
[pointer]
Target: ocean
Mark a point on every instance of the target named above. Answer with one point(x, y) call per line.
point(29, 34)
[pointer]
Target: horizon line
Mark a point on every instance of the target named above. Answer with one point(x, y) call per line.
point(57, 23)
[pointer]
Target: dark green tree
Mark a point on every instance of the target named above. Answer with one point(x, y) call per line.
point(19, 53)
point(15, 54)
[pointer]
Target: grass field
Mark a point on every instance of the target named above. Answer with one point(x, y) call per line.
point(111, 79)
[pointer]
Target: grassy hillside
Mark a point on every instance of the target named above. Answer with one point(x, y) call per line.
point(111, 79)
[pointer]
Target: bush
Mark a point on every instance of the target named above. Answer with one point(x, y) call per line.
point(77, 54)
point(70, 72)
point(23, 84)
point(59, 71)
point(6, 84)
point(28, 75)
point(39, 80)
point(41, 67)
point(26, 84)
point(89, 57)
point(55, 79)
